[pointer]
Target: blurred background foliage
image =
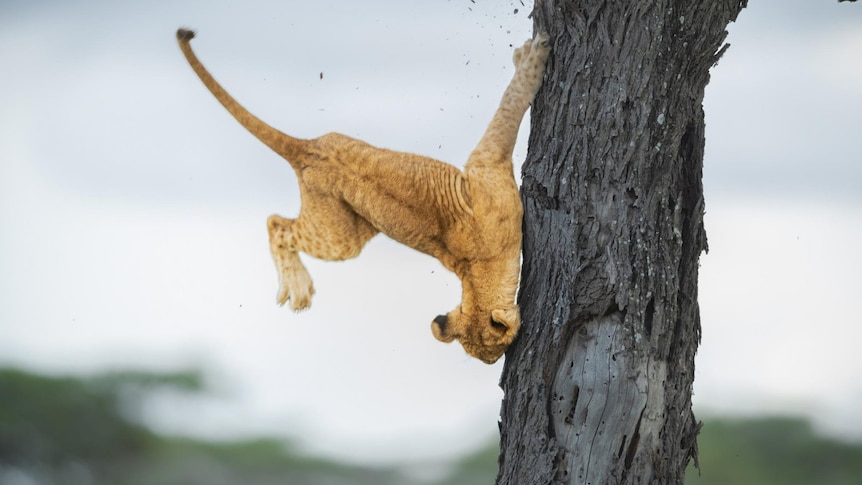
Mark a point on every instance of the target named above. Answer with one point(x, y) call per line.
point(82, 431)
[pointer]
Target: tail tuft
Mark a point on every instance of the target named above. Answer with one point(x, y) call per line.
point(185, 35)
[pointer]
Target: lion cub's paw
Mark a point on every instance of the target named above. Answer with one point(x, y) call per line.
point(295, 286)
point(541, 47)
point(533, 54)
point(521, 52)
point(542, 39)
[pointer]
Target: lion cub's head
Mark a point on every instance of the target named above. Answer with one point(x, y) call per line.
point(484, 334)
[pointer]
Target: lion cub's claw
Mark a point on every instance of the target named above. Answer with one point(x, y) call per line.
point(542, 39)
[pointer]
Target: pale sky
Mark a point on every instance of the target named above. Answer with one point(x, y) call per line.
point(133, 209)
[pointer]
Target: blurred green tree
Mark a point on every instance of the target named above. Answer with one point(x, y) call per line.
point(74, 430)
point(771, 451)
point(54, 420)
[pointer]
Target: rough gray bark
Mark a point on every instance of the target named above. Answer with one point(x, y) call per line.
point(598, 384)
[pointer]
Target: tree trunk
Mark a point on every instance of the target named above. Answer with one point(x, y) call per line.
point(598, 384)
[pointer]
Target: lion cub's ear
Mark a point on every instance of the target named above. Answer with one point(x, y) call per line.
point(506, 322)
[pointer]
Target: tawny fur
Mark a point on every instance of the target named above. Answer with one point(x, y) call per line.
point(470, 220)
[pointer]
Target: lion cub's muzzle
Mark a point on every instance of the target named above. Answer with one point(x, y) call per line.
point(484, 340)
point(438, 328)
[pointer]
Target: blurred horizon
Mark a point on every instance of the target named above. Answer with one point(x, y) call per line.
point(88, 432)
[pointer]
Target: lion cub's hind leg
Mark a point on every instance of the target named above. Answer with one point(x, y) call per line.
point(294, 282)
point(327, 228)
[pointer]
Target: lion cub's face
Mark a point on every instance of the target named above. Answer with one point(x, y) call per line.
point(484, 334)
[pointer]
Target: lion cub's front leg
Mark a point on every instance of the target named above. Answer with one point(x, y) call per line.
point(488, 318)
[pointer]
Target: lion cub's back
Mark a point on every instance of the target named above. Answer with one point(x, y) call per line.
point(404, 176)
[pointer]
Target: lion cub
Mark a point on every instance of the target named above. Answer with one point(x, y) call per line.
point(470, 220)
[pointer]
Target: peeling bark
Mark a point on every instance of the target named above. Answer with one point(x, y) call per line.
point(598, 384)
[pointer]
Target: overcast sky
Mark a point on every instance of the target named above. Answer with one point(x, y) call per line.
point(133, 208)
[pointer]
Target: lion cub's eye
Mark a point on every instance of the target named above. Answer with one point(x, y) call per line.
point(498, 326)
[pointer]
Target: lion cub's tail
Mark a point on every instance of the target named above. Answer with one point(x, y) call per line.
point(285, 145)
